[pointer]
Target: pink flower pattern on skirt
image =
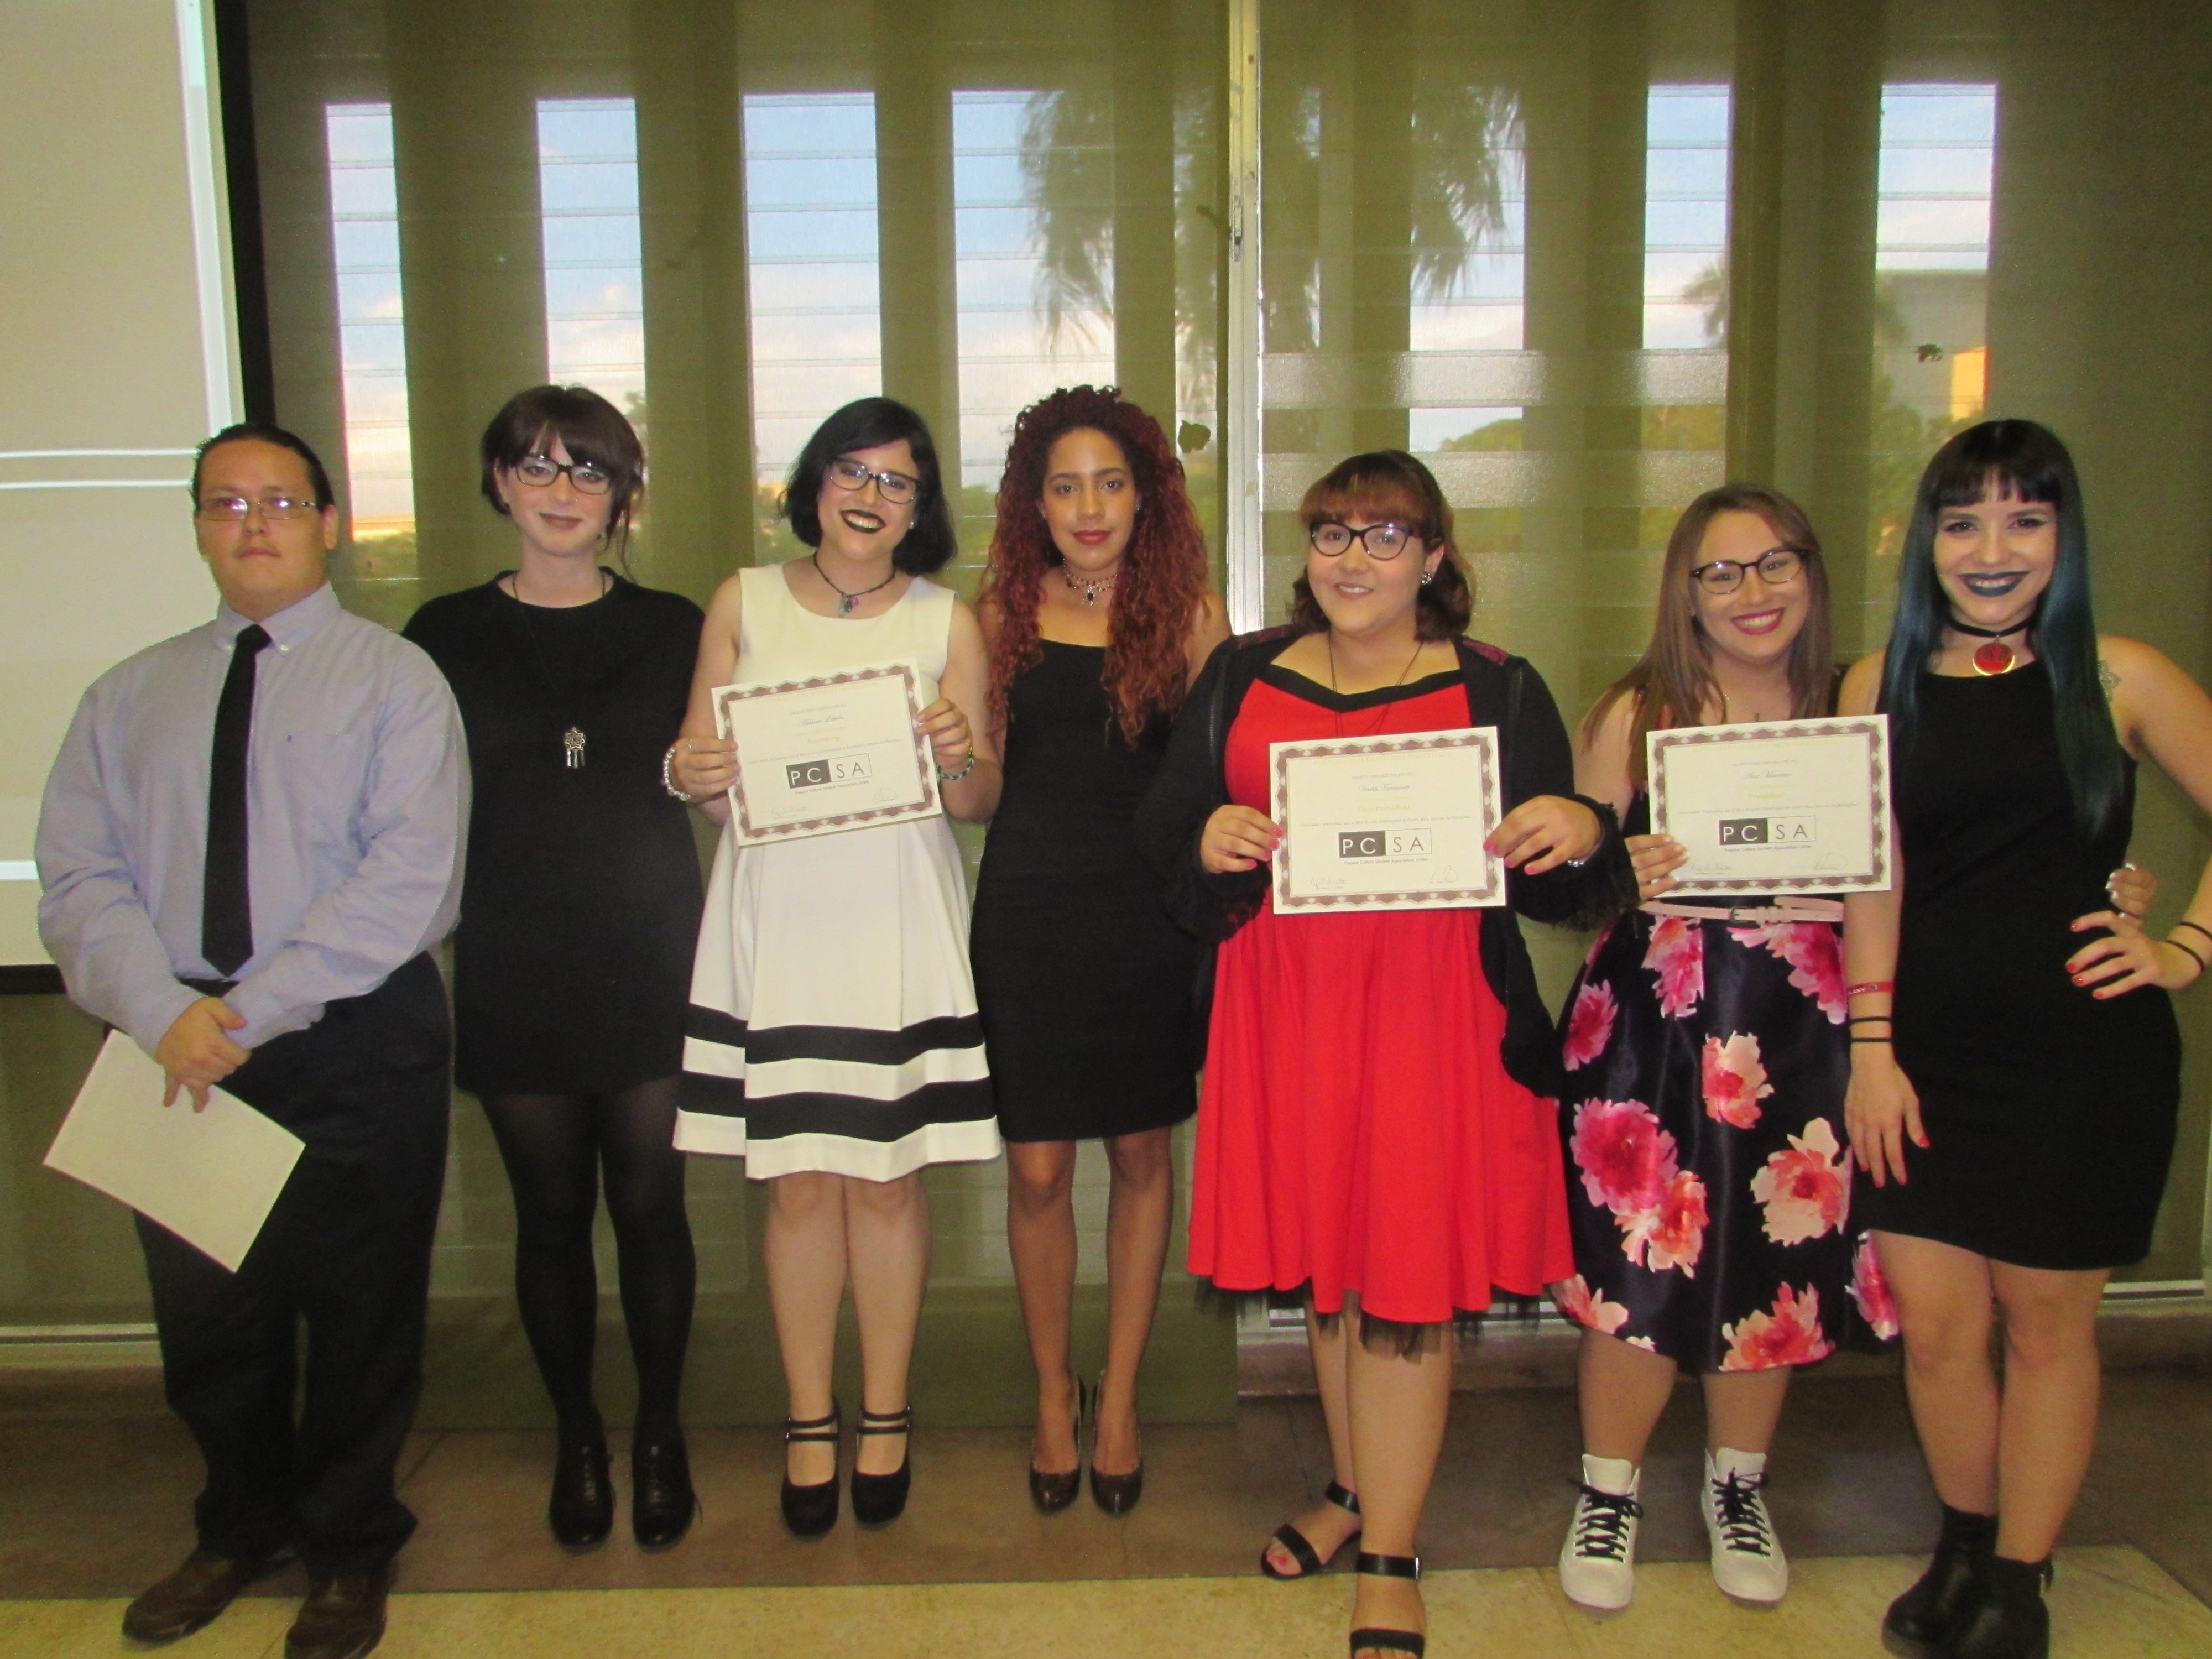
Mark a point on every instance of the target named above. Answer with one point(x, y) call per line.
point(1590, 1026)
point(1588, 1308)
point(1869, 1289)
point(1677, 955)
point(1626, 1157)
point(1672, 1232)
point(1814, 952)
point(1807, 1190)
point(1735, 1080)
point(1788, 1334)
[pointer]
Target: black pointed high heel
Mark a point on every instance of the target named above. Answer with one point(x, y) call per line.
point(1301, 1548)
point(1053, 1490)
point(811, 1511)
point(879, 1499)
point(1373, 1638)
point(1116, 1494)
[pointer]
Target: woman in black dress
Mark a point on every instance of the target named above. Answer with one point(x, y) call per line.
point(1097, 615)
point(2013, 1135)
point(573, 953)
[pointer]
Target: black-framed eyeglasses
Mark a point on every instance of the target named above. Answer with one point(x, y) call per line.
point(1777, 568)
point(849, 474)
point(538, 471)
point(1382, 541)
point(235, 509)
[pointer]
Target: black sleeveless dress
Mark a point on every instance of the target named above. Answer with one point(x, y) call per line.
point(2050, 1113)
point(1084, 983)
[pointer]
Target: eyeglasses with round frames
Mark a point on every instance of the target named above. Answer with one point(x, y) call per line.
point(895, 487)
point(236, 509)
point(1382, 541)
point(1777, 568)
point(538, 471)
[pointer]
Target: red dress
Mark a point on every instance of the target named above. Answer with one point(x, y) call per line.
point(1359, 1130)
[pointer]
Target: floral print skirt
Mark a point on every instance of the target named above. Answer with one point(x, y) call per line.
point(1709, 1180)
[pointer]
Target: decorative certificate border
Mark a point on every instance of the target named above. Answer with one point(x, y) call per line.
point(1482, 739)
point(751, 834)
point(1873, 728)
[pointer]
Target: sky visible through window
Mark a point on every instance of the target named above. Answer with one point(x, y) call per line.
point(379, 460)
point(1482, 309)
point(1007, 358)
point(812, 265)
point(595, 282)
point(1686, 201)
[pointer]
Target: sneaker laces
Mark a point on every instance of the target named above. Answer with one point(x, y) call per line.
point(1741, 1514)
point(1601, 1524)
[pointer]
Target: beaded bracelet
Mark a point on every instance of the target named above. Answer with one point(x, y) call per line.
point(945, 776)
point(667, 779)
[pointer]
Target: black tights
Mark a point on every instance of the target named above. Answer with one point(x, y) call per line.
point(554, 1146)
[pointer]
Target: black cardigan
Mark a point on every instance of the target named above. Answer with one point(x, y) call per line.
point(1503, 691)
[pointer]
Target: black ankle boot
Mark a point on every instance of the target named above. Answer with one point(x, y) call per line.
point(1918, 1619)
point(661, 1501)
point(2004, 1617)
point(581, 1511)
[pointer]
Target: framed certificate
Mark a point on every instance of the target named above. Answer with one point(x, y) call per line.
point(835, 753)
point(1786, 806)
point(1386, 824)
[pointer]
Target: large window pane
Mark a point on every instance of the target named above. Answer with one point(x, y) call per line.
point(594, 288)
point(372, 318)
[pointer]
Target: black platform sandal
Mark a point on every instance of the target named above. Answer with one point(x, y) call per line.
point(1374, 1639)
point(1053, 1490)
point(1301, 1548)
point(811, 1511)
point(879, 1499)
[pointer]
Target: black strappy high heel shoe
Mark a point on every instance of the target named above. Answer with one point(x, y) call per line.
point(1301, 1547)
point(1116, 1494)
point(811, 1511)
point(880, 1498)
point(1372, 1637)
point(1053, 1490)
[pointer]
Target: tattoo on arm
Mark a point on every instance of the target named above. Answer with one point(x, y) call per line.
point(2108, 678)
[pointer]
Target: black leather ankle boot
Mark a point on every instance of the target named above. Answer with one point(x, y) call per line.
point(1917, 1620)
point(2004, 1617)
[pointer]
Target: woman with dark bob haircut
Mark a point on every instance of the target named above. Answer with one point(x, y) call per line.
point(2012, 1088)
point(1375, 1130)
point(1097, 613)
point(834, 1042)
point(571, 961)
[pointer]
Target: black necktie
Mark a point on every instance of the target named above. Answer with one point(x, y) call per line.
point(226, 909)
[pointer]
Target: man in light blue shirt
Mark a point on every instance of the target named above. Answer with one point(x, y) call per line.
point(248, 845)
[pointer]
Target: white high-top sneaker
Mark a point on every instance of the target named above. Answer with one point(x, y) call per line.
point(1597, 1563)
point(1747, 1559)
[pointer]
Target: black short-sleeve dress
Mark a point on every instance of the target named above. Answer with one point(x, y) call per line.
point(2050, 1113)
point(580, 908)
point(1084, 983)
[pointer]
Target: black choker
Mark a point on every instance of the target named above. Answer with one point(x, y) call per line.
point(1996, 657)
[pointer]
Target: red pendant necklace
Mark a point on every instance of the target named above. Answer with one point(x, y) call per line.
point(1993, 656)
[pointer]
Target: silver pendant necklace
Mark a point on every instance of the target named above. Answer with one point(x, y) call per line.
point(573, 740)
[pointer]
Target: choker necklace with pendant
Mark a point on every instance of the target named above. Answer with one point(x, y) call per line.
point(1994, 657)
point(849, 603)
point(1089, 589)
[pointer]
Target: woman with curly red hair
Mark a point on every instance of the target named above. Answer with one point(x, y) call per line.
point(1098, 616)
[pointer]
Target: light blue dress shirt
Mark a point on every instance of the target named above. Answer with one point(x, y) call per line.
point(357, 803)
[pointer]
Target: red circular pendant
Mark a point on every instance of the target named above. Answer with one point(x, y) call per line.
point(1994, 658)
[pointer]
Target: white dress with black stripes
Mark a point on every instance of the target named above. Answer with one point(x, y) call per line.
point(833, 1023)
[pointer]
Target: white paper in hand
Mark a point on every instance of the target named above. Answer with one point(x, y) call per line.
point(210, 1178)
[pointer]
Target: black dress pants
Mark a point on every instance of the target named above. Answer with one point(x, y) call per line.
point(346, 1251)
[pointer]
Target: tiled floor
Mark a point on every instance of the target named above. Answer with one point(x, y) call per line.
point(99, 1484)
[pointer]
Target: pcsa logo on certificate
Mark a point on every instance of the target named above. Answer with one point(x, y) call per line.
point(831, 769)
point(1768, 832)
point(1385, 843)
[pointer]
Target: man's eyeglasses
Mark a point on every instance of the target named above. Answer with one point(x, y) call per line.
point(539, 470)
point(234, 509)
point(1776, 569)
point(1382, 541)
point(896, 487)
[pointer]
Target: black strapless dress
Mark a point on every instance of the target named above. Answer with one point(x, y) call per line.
point(1084, 983)
point(2050, 1113)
